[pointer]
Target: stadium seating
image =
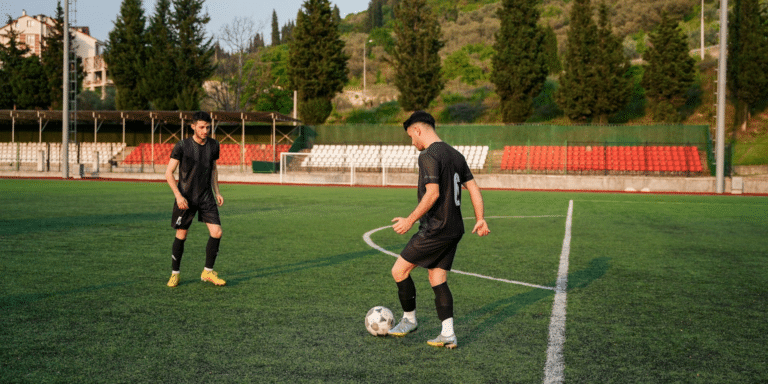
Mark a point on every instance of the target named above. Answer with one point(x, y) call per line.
point(30, 152)
point(618, 159)
point(374, 156)
point(229, 154)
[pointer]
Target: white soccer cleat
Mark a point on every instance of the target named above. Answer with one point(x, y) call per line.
point(440, 341)
point(403, 328)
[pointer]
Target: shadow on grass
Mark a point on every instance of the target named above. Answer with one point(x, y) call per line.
point(492, 314)
point(18, 300)
point(48, 224)
point(238, 277)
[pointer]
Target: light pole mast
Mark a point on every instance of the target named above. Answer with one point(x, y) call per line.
point(721, 78)
point(65, 98)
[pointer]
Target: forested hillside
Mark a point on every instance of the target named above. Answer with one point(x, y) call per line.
point(469, 28)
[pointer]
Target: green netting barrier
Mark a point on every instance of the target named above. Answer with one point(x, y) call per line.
point(498, 136)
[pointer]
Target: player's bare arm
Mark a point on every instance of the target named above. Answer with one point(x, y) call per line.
point(481, 227)
point(180, 200)
point(215, 185)
point(403, 225)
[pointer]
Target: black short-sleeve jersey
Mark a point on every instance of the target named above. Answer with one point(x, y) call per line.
point(445, 166)
point(195, 168)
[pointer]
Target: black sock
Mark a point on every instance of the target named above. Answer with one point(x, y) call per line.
point(176, 252)
point(211, 251)
point(406, 291)
point(443, 301)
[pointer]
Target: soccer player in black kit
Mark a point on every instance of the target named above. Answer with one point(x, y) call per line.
point(442, 172)
point(197, 192)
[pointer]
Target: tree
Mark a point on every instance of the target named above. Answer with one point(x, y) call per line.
point(194, 55)
point(670, 70)
point(51, 59)
point(551, 51)
point(747, 58)
point(336, 15)
point(612, 93)
point(576, 95)
point(287, 32)
point(275, 29)
point(126, 56)
point(317, 65)
point(256, 44)
point(237, 37)
point(375, 15)
point(415, 55)
point(25, 85)
point(268, 88)
point(160, 85)
point(519, 63)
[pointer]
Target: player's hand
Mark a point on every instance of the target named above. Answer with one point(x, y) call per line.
point(481, 228)
point(182, 202)
point(219, 199)
point(402, 225)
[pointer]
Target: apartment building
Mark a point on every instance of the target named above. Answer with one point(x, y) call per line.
point(33, 29)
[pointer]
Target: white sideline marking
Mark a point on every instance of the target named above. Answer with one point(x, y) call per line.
point(555, 366)
point(367, 239)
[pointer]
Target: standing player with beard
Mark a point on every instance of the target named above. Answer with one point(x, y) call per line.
point(197, 191)
point(442, 172)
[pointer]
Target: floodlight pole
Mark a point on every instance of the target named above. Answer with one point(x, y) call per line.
point(65, 98)
point(721, 78)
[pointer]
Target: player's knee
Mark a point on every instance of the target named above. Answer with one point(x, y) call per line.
point(216, 233)
point(181, 234)
point(437, 276)
point(398, 274)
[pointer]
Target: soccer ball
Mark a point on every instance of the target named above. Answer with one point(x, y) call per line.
point(379, 320)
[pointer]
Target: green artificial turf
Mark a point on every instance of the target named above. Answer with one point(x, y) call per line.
point(661, 288)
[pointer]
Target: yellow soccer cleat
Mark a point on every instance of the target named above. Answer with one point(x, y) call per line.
point(174, 280)
point(212, 277)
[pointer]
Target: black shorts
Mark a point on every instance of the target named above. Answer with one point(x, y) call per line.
point(431, 252)
point(182, 218)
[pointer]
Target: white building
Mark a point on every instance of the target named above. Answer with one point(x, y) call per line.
point(32, 30)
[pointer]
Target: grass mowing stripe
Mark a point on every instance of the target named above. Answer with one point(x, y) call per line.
point(367, 238)
point(553, 370)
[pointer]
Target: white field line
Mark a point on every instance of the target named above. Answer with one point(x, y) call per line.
point(367, 239)
point(555, 366)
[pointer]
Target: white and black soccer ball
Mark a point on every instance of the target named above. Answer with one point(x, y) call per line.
point(379, 320)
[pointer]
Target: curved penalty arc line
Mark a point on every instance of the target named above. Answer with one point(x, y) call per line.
point(367, 239)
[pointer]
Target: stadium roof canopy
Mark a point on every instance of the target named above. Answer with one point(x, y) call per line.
point(155, 118)
point(169, 117)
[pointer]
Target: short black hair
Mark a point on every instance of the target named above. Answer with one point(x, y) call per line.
point(201, 116)
point(419, 117)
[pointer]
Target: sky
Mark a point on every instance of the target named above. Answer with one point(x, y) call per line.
point(100, 15)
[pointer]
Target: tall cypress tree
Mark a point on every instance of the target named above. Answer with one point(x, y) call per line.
point(612, 93)
point(317, 65)
point(275, 29)
point(415, 55)
point(747, 58)
point(375, 15)
point(519, 63)
point(126, 55)
point(160, 84)
point(576, 95)
point(194, 53)
point(551, 52)
point(51, 58)
point(670, 70)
